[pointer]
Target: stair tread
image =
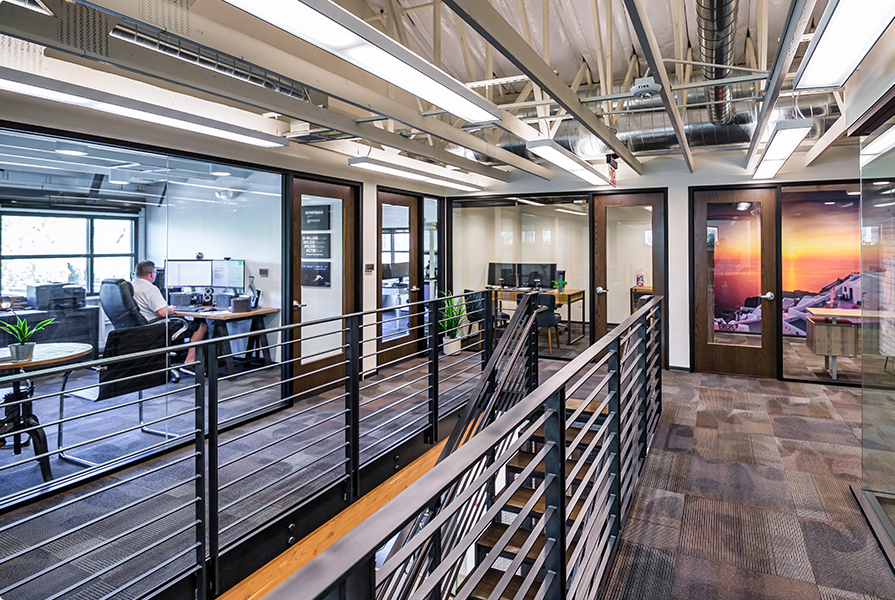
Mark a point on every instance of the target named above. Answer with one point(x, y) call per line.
point(573, 404)
point(518, 500)
point(523, 459)
point(492, 534)
point(490, 580)
point(571, 434)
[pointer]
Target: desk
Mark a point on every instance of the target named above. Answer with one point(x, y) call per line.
point(830, 338)
point(637, 293)
point(217, 321)
point(20, 418)
point(567, 297)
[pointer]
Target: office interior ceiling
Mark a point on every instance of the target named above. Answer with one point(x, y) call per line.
point(323, 101)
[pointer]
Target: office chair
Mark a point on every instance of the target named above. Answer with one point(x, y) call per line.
point(116, 296)
point(475, 309)
point(547, 318)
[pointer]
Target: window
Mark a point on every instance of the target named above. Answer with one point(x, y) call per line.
point(58, 248)
point(395, 245)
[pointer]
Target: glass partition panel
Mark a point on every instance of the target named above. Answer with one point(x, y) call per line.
point(395, 271)
point(629, 259)
point(321, 275)
point(734, 262)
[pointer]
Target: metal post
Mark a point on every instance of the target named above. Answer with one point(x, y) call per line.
point(614, 389)
point(657, 332)
point(488, 323)
point(532, 346)
point(434, 311)
point(641, 384)
point(434, 546)
point(210, 365)
point(201, 496)
point(352, 407)
point(555, 495)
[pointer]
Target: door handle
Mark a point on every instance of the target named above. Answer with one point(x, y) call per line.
point(296, 305)
point(600, 290)
point(768, 296)
point(414, 289)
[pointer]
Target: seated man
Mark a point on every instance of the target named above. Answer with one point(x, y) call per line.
point(152, 304)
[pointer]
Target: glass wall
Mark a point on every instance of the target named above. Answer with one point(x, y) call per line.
point(523, 245)
point(77, 217)
point(878, 329)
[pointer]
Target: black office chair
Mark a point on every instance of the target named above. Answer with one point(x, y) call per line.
point(547, 318)
point(475, 309)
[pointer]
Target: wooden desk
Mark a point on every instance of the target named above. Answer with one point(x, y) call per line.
point(19, 416)
point(637, 293)
point(831, 338)
point(567, 297)
point(218, 329)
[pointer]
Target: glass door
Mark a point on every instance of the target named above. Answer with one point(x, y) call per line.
point(400, 326)
point(735, 300)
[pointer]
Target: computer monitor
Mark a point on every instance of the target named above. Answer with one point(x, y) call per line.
point(228, 273)
point(159, 280)
point(188, 273)
point(503, 274)
point(534, 274)
point(395, 270)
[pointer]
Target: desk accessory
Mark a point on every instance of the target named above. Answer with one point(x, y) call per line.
point(23, 350)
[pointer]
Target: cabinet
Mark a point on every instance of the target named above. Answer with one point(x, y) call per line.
point(80, 325)
point(832, 339)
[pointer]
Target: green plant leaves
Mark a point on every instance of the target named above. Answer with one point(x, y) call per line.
point(21, 331)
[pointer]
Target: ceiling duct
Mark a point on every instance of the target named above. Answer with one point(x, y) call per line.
point(716, 25)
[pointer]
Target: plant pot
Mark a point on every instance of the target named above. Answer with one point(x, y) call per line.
point(452, 346)
point(561, 289)
point(21, 352)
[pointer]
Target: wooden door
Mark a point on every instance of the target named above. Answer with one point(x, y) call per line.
point(398, 279)
point(629, 255)
point(736, 303)
point(324, 270)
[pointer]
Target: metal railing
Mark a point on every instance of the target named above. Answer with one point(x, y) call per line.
point(532, 506)
point(184, 488)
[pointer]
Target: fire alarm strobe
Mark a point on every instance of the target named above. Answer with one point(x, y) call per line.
point(645, 87)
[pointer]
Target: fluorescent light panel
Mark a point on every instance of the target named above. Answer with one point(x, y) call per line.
point(879, 146)
point(786, 138)
point(335, 30)
point(35, 86)
point(524, 201)
point(571, 212)
point(565, 160)
point(845, 35)
point(380, 166)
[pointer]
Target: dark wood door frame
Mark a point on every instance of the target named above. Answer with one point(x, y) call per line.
point(404, 346)
point(599, 201)
point(736, 360)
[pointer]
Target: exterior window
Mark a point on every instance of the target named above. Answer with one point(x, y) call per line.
point(44, 248)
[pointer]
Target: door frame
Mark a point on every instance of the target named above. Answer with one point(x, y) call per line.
point(386, 354)
point(660, 254)
point(777, 345)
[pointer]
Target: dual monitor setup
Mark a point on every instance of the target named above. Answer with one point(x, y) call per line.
point(196, 274)
point(536, 275)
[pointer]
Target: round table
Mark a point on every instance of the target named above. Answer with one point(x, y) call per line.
point(19, 417)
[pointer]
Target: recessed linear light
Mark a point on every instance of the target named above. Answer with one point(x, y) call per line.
point(567, 161)
point(843, 38)
point(829, 203)
point(332, 28)
point(69, 149)
point(853, 193)
point(571, 212)
point(786, 138)
point(743, 205)
point(380, 166)
point(879, 146)
point(220, 173)
point(524, 201)
point(35, 86)
point(884, 204)
point(880, 183)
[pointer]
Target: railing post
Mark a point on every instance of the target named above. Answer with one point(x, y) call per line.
point(488, 321)
point(657, 333)
point(211, 366)
point(434, 311)
point(434, 545)
point(614, 431)
point(641, 385)
point(352, 407)
point(532, 345)
point(555, 495)
point(201, 478)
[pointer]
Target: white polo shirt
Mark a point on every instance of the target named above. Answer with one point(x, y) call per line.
point(149, 298)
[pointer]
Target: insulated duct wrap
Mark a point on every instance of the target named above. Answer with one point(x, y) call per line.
point(716, 22)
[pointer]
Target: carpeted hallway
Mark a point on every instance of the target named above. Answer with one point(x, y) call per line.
point(745, 495)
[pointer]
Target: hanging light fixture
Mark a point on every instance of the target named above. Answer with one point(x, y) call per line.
point(786, 138)
point(567, 161)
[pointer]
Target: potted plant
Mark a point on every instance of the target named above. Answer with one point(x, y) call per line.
point(560, 285)
point(451, 322)
point(23, 350)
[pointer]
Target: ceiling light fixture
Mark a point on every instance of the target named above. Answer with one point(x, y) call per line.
point(27, 84)
point(786, 138)
point(219, 172)
point(845, 35)
point(858, 193)
point(524, 201)
point(571, 212)
point(743, 205)
point(880, 183)
point(35, 5)
point(69, 149)
point(829, 203)
point(567, 161)
point(335, 30)
point(884, 204)
point(879, 146)
point(381, 166)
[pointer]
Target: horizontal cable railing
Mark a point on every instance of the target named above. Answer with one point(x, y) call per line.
point(530, 507)
point(139, 472)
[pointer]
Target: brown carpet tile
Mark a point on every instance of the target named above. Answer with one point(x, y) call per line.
point(745, 495)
